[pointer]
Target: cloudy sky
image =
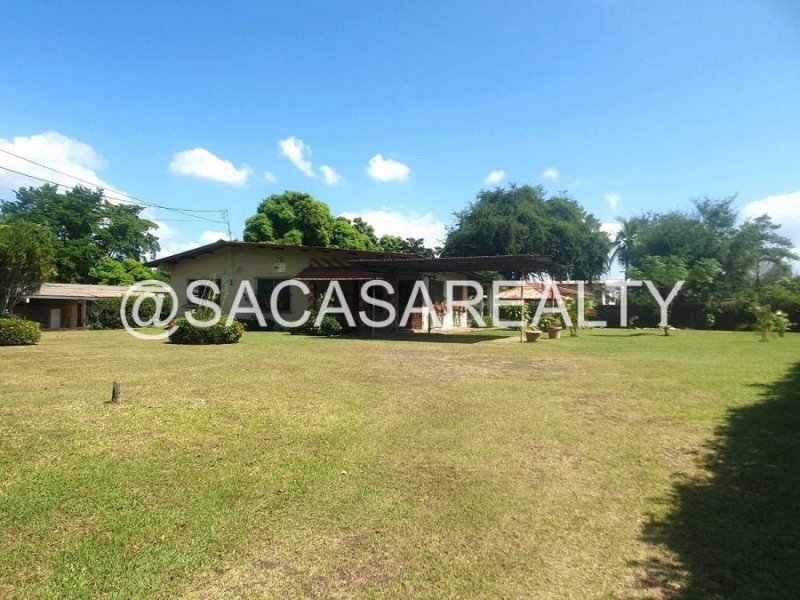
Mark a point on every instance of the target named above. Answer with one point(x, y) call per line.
point(402, 112)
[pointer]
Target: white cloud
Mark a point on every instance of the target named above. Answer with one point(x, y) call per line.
point(270, 176)
point(550, 173)
point(495, 177)
point(404, 224)
point(55, 150)
point(387, 169)
point(199, 162)
point(784, 210)
point(171, 243)
point(329, 175)
point(613, 201)
point(209, 236)
point(298, 153)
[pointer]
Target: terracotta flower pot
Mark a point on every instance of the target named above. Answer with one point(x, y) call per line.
point(554, 333)
point(532, 336)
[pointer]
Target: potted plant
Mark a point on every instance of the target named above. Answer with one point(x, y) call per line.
point(552, 325)
point(532, 335)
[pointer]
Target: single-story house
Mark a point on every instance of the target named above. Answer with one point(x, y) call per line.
point(65, 305)
point(265, 265)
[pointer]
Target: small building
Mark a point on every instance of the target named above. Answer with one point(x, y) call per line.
point(65, 305)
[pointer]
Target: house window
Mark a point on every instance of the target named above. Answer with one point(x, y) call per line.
point(264, 289)
point(203, 291)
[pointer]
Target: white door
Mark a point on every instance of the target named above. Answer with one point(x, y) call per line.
point(55, 318)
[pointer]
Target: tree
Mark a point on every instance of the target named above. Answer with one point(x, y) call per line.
point(128, 271)
point(124, 234)
point(26, 261)
point(296, 218)
point(85, 225)
point(345, 234)
point(291, 218)
point(625, 241)
point(409, 245)
point(523, 220)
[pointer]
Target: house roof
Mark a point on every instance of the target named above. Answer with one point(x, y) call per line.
point(529, 263)
point(336, 273)
point(535, 291)
point(81, 291)
point(220, 244)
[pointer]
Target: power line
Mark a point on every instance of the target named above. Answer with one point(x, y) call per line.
point(112, 195)
point(76, 178)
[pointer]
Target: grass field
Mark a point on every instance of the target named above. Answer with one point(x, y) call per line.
point(613, 465)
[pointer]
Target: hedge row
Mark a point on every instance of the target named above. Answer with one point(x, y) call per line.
point(186, 333)
point(105, 312)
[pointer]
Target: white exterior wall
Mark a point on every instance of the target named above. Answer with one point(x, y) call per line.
point(240, 264)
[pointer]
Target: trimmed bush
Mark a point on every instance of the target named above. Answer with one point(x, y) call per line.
point(186, 333)
point(19, 332)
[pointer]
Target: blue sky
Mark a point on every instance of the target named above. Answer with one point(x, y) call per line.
point(630, 106)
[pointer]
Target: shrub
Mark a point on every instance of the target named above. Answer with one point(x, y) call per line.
point(767, 322)
point(186, 333)
point(19, 332)
point(105, 312)
point(329, 326)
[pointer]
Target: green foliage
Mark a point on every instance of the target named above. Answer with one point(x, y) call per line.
point(26, 261)
point(186, 333)
point(523, 220)
point(550, 321)
point(105, 313)
point(589, 310)
point(727, 267)
point(328, 327)
point(86, 228)
point(767, 322)
point(394, 243)
point(296, 218)
point(19, 332)
point(128, 271)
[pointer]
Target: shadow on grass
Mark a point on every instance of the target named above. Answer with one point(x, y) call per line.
point(737, 534)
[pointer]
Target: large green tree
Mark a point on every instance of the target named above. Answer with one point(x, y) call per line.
point(409, 245)
point(86, 228)
point(524, 220)
point(128, 271)
point(26, 261)
point(297, 218)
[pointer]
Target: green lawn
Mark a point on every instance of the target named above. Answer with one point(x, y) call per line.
point(615, 464)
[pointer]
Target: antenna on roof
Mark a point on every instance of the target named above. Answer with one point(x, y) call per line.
point(226, 218)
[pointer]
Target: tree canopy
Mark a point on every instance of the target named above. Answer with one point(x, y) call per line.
point(86, 228)
point(724, 264)
point(26, 261)
point(296, 218)
point(524, 220)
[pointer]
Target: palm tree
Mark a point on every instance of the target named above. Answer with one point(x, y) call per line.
point(626, 240)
